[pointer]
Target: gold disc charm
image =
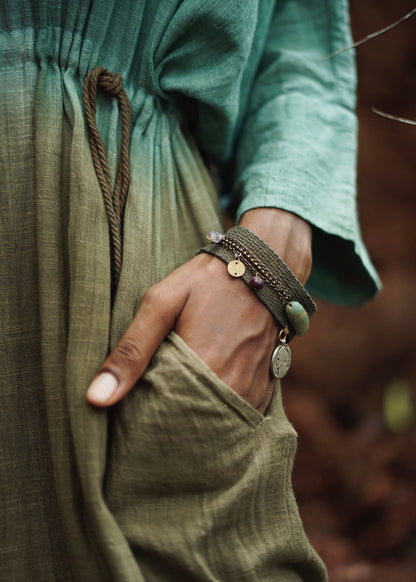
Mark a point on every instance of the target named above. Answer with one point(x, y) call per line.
point(236, 268)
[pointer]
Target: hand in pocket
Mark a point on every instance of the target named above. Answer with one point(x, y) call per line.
point(219, 318)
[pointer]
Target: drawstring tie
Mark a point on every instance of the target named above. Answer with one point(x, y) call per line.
point(114, 201)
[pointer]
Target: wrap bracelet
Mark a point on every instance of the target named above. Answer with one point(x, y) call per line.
point(251, 259)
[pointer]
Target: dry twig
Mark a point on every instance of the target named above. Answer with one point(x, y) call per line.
point(372, 35)
point(394, 117)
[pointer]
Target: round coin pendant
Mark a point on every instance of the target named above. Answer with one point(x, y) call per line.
point(281, 359)
point(236, 268)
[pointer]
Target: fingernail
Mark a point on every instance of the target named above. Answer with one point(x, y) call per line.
point(102, 387)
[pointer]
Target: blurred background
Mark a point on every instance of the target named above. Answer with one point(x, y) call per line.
point(351, 393)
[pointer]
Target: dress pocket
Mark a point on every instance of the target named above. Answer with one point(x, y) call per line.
point(177, 426)
point(194, 473)
point(208, 387)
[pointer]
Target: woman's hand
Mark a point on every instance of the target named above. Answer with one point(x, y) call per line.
point(218, 316)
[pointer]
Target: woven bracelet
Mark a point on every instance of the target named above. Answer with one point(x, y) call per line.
point(266, 274)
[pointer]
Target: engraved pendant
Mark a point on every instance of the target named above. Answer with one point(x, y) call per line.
point(281, 359)
point(236, 268)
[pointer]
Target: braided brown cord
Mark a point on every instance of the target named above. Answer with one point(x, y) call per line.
point(111, 84)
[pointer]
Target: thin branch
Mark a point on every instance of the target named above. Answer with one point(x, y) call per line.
point(371, 36)
point(394, 117)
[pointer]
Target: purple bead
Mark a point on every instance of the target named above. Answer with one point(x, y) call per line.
point(256, 282)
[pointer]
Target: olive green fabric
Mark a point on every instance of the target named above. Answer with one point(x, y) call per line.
point(78, 501)
point(200, 482)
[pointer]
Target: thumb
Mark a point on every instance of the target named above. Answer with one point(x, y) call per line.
point(153, 321)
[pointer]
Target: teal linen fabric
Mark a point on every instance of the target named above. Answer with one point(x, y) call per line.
point(64, 515)
point(279, 119)
point(272, 112)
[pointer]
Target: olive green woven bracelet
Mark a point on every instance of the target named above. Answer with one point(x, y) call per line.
point(250, 258)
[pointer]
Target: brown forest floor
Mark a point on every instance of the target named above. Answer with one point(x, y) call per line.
point(355, 478)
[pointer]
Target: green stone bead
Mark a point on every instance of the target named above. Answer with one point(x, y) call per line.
point(298, 317)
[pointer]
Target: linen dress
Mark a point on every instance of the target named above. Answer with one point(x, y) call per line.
point(183, 480)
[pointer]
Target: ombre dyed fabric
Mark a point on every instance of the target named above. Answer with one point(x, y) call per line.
point(183, 481)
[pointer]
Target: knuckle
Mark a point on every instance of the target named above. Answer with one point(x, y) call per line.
point(153, 296)
point(157, 299)
point(128, 350)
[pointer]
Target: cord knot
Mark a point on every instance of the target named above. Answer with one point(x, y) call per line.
point(111, 83)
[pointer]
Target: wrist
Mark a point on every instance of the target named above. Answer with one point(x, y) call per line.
point(286, 233)
point(250, 258)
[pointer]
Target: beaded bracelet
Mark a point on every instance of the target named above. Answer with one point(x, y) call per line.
point(249, 257)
